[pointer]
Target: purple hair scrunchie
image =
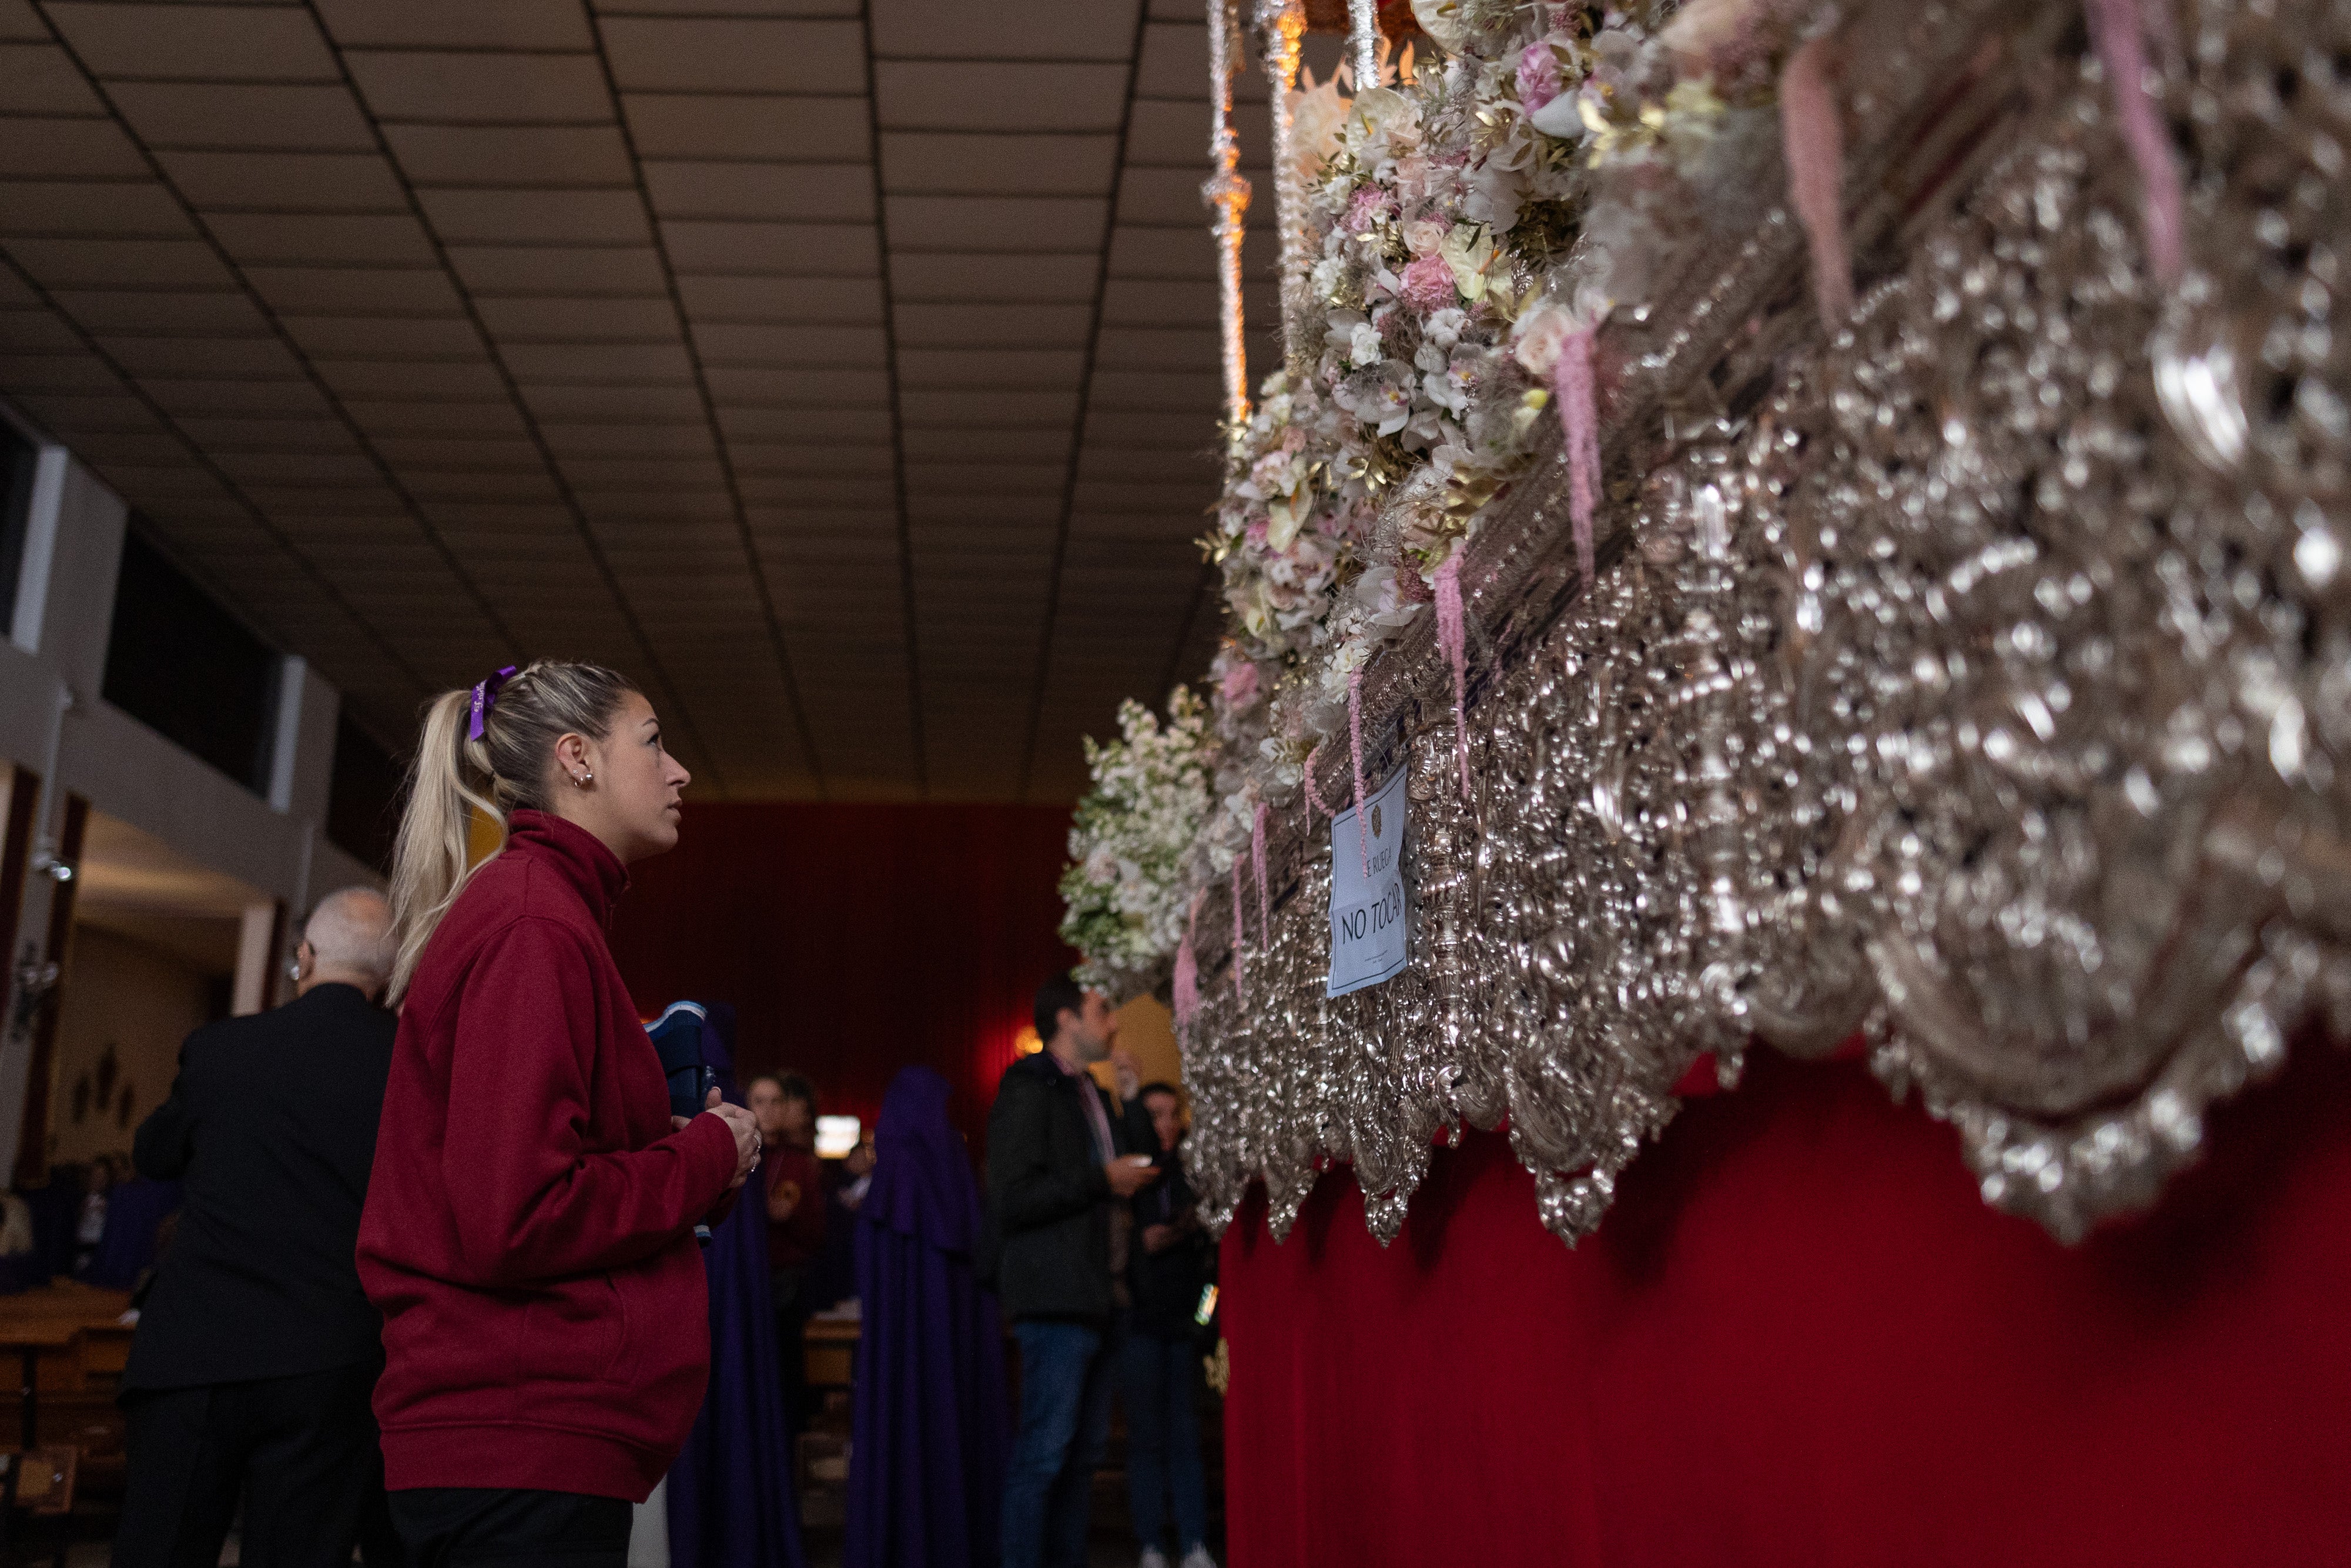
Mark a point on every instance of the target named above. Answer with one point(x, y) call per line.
point(485, 697)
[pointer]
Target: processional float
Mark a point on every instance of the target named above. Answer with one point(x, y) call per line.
point(1837, 513)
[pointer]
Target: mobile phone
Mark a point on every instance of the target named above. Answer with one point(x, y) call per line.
point(1207, 1305)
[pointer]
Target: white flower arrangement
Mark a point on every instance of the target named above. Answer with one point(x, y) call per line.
point(1123, 891)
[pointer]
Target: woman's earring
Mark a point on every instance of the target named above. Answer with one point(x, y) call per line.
point(584, 779)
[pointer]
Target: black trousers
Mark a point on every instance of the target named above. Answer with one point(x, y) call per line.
point(509, 1527)
point(301, 1452)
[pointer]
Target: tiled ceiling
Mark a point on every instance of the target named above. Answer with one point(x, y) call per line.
point(849, 375)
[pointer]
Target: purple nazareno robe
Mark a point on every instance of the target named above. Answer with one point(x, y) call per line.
point(730, 1491)
point(933, 1427)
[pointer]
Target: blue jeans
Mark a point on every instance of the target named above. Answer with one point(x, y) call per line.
point(1162, 1441)
point(1067, 1373)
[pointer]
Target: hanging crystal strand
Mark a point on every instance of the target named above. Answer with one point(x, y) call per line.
point(1228, 193)
point(1364, 34)
point(1280, 25)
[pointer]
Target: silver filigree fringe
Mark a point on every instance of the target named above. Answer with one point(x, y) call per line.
point(1977, 680)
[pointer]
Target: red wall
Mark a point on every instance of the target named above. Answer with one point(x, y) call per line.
point(1800, 1339)
point(853, 940)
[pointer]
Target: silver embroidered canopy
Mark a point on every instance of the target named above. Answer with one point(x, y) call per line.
point(1977, 678)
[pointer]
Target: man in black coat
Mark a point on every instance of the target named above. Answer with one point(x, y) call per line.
point(256, 1353)
point(1061, 1162)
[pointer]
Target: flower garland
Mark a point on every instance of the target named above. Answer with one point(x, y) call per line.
point(1467, 228)
point(1129, 841)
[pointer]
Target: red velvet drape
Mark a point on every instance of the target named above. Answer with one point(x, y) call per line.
point(1800, 1339)
point(854, 940)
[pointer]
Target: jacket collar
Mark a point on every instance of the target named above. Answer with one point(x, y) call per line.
point(573, 853)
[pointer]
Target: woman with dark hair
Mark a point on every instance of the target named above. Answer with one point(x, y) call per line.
point(931, 1425)
point(528, 1228)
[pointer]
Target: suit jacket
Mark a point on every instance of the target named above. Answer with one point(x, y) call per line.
point(1049, 1203)
point(270, 1130)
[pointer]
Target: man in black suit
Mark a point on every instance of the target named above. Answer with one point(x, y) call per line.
point(258, 1352)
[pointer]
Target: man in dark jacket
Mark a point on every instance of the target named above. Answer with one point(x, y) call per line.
point(1061, 1162)
point(250, 1375)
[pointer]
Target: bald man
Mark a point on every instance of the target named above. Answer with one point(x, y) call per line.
point(251, 1370)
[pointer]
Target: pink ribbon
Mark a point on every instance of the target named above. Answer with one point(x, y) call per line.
point(1257, 859)
point(1187, 971)
point(1355, 747)
point(1813, 141)
point(1575, 384)
point(1315, 797)
point(2117, 26)
point(1240, 977)
point(1452, 636)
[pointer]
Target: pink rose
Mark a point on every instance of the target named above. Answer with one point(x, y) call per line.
point(1240, 685)
point(1539, 79)
point(1423, 236)
point(1427, 285)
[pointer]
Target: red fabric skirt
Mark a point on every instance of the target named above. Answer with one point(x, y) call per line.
point(1801, 1338)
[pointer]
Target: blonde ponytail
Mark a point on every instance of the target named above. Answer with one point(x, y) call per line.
point(456, 776)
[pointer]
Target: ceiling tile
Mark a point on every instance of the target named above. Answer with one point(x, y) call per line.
point(1001, 409)
point(834, 389)
point(636, 439)
point(997, 224)
point(808, 193)
point(1036, 30)
point(731, 344)
point(789, 129)
point(559, 272)
point(666, 405)
point(842, 424)
point(454, 417)
point(207, 397)
point(268, 435)
point(374, 240)
point(600, 364)
point(995, 279)
point(216, 43)
point(1050, 443)
point(385, 337)
point(491, 88)
point(816, 250)
point(279, 182)
point(964, 326)
point(710, 54)
point(546, 155)
point(132, 208)
point(971, 163)
point(590, 320)
point(246, 358)
point(164, 312)
point(932, 95)
point(356, 290)
point(419, 380)
point(840, 299)
point(67, 148)
point(451, 24)
point(203, 114)
point(581, 217)
point(40, 78)
point(38, 331)
point(989, 367)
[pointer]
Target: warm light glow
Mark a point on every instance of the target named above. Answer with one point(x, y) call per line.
point(1025, 1043)
point(836, 1137)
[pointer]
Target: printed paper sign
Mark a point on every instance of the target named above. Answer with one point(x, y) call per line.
point(1367, 908)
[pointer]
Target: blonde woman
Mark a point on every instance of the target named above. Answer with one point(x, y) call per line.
point(529, 1229)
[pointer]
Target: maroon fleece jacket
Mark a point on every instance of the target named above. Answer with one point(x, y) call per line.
point(529, 1229)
